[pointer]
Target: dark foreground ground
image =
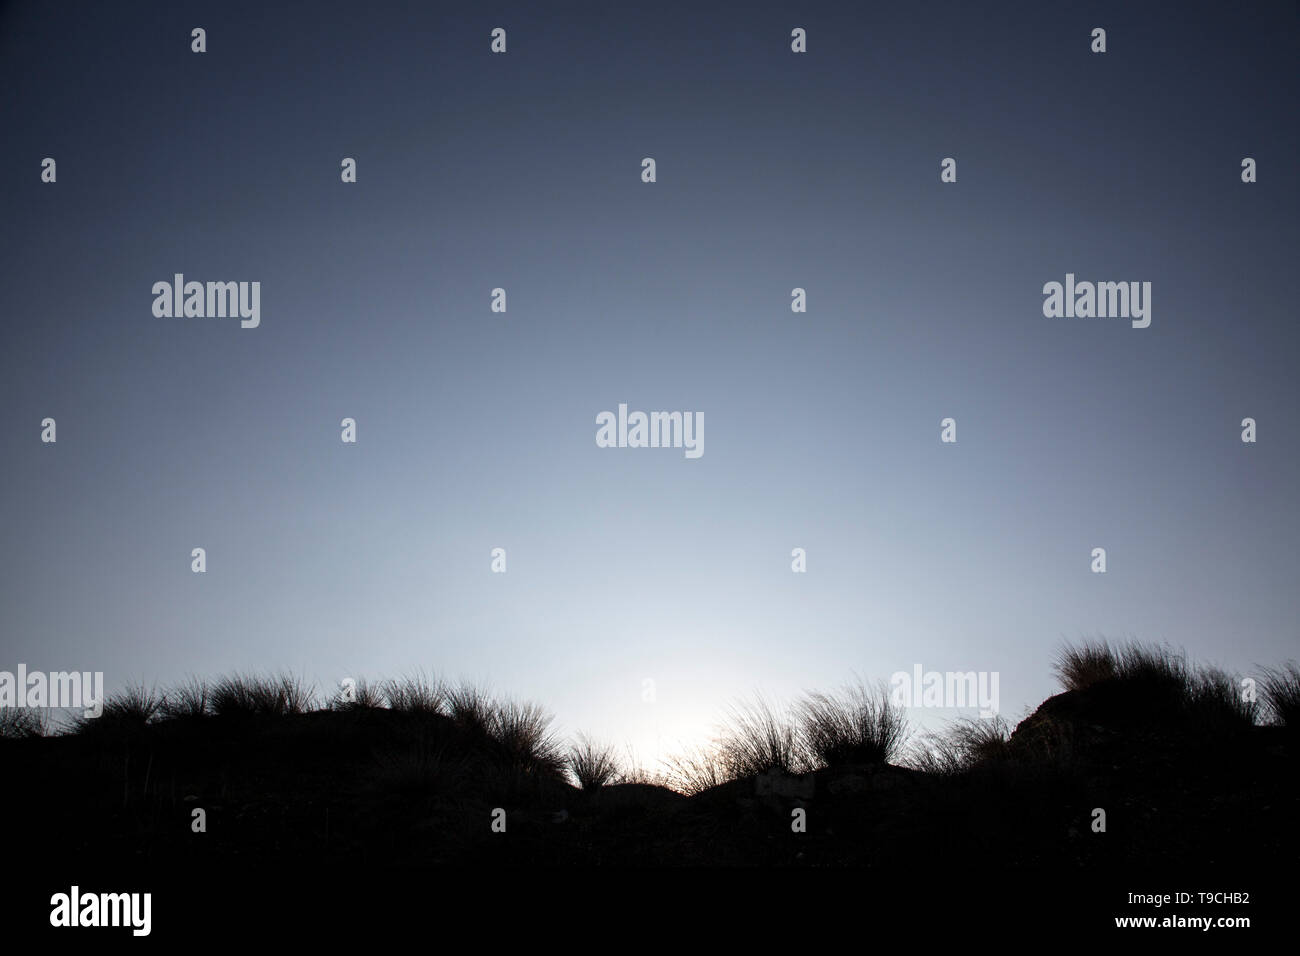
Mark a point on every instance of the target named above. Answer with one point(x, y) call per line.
point(366, 794)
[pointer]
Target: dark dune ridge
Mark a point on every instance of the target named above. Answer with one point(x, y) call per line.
point(414, 773)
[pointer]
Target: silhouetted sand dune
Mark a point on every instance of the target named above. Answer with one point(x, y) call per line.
point(1181, 770)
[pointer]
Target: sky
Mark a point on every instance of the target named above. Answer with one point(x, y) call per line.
point(476, 429)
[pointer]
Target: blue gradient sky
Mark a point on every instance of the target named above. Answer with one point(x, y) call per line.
point(476, 430)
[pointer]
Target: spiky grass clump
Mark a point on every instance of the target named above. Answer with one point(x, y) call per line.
point(860, 725)
point(693, 770)
point(1281, 686)
point(523, 736)
point(187, 700)
point(1158, 668)
point(359, 694)
point(296, 695)
point(17, 723)
point(241, 695)
point(591, 764)
point(415, 695)
point(247, 695)
point(1215, 702)
point(756, 737)
point(471, 708)
point(134, 704)
point(130, 709)
point(1162, 676)
point(1084, 665)
point(964, 744)
point(518, 735)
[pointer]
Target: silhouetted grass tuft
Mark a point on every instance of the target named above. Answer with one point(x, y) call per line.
point(860, 725)
point(248, 695)
point(756, 738)
point(470, 708)
point(695, 769)
point(130, 709)
point(517, 735)
point(359, 694)
point(592, 765)
point(415, 695)
point(1159, 677)
point(1281, 687)
point(1215, 703)
point(17, 723)
point(1158, 669)
point(297, 696)
point(962, 745)
point(522, 733)
point(134, 704)
point(190, 699)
